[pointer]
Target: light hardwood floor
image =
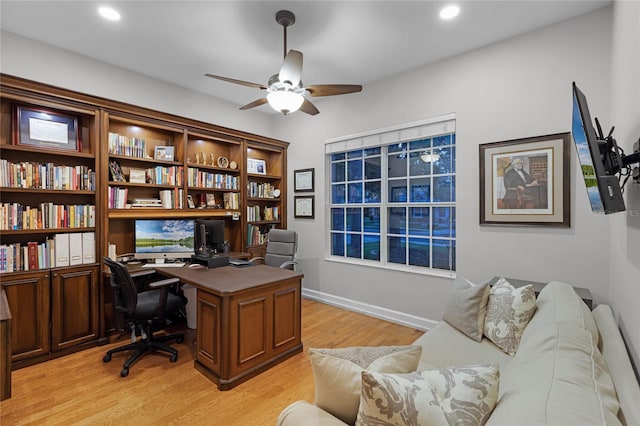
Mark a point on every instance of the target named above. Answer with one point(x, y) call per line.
point(81, 389)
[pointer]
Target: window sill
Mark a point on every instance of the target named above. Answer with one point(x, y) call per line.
point(394, 267)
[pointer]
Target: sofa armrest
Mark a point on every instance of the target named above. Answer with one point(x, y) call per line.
point(615, 355)
point(304, 413)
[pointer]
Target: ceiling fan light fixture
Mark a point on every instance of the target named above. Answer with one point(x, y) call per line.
point(285, 101)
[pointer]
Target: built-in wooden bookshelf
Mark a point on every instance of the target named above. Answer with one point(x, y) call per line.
point(133, 154)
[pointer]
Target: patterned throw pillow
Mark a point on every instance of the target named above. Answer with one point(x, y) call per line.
point(508, 312)
point(398, 399)
point(461, 396)
point(467, 395)
point(337, 374)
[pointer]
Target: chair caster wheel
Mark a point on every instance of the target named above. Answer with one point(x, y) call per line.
point(106, 358)
point(180, 339)
point(173, 358)
point(124, 372)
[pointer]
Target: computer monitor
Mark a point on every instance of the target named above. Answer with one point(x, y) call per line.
point(599, 158)
point(209, 236)
point(157, 239)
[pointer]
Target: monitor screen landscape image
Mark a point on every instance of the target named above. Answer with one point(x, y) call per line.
point(164, 237)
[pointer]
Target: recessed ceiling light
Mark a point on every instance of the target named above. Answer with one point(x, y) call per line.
point(449, 12)
point(109, 13)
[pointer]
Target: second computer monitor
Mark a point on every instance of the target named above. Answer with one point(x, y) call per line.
point(209, 235)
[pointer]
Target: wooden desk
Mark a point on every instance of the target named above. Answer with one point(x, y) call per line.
point(249, 319)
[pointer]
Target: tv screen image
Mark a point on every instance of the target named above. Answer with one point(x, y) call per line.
point(584, 157)
point(163, 239)
point(600, 159)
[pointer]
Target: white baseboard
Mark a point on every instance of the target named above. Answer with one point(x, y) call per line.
point(371, 310)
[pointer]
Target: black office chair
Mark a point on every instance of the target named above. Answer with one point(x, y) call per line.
point(282, 245)
point(142, 311)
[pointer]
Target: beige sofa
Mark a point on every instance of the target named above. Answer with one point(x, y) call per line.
point(571, 368)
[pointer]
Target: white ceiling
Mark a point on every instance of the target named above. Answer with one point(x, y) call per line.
point(350, 42)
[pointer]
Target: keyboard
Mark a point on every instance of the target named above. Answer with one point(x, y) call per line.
point(164, 265)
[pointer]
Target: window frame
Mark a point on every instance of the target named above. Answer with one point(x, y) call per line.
point(383, 138)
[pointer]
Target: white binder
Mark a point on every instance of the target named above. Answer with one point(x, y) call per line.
point(75, 248)
point(61, 242)
point(88, 247)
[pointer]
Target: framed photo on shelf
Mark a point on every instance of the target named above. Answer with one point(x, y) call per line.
point(303, 207)
point(303, 180)
point(164, 153)
point(256, 166)
point(525, 182)
point(190, 202)
point(45, 128)
point(116, 172)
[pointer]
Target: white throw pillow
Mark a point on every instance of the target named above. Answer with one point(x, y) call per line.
point(508, 312)
point(337, 374)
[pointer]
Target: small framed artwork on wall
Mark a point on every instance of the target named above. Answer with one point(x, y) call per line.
point(303, 180)
point(303, 207)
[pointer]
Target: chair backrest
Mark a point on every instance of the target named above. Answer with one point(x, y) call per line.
point(125, 294)
point(282, 245)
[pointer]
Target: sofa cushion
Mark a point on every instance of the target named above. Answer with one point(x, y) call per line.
point(398, 399)
point(337, 374)
point(508, 312)
point(304, 413)
point(466, 309)
point(558, 302)
point(444, 346)
point(467, 394)
point(557, 377)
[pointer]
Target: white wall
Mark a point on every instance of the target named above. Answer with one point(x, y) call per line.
point(625, 228)
point(517, 88)
point(33, 60)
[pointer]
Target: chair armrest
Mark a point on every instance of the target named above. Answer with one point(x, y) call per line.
point(142, 273)
point(254, 259)
point(289, 264)
point(164, 283)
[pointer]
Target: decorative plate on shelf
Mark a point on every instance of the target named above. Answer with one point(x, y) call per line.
point(276, 193)
point(223, 162)
point(233, 165)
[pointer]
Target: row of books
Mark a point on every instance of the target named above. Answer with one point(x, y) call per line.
point(231, 200)
point(15, 216)
point(125, 145)
point(255, 237)
point(260, 190)
point(117, 198)
point(46, 176)
point(202, 179)
point(67, 249)
point(269, 213)
point(165, 175)
point(171, 198)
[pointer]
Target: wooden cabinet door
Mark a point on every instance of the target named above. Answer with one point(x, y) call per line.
point(28, 297)
point(75, 315)
point(209, 331)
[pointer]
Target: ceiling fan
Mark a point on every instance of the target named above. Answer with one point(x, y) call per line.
point(285, 92)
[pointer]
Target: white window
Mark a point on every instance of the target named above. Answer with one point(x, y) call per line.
point(392, 197)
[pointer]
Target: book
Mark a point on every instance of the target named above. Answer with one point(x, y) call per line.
point(33, 255)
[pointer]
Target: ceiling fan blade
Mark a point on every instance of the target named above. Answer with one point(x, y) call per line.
point(241, 82)
point(308, 107)
point(332, 89)
point(254, 104)
point(291, 69)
